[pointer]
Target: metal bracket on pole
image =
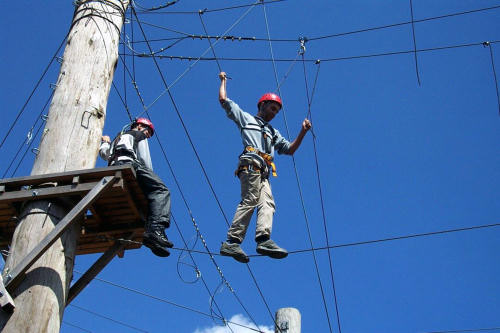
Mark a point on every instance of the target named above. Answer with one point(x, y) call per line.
point(17, 274)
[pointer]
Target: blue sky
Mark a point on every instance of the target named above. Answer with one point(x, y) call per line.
point(395, 158)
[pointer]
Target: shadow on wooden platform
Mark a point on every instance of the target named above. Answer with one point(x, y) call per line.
point(109, 199)
point(116, 214)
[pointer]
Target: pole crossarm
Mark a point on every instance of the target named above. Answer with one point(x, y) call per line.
point(51, 192)
point(16, 275)
point(95, 269)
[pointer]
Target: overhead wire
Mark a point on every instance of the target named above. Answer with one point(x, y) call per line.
point(340, 34)
point(29, 136)
point(417, 74)
point(209, 41)
point(108, 318)
point(153, 9)
point(168, 87)
point(318, 176)
point(404, 23)
point(198, 232)
point(278, 88)
point(193, 146)
point(363, 56)
point(375, 241)
point(186, 34)
point(488, 44)
point(76, 326)
point(223, 281)
point(33, 91)
point(414, 42)
point(138, 292)
point(192, 218)
point(383, 240)
point(26, 150)
point(297, 175)
point(126, 107)
point(124, 100)
point(248, 266)
point(163, 300)
point(277, 40)
point(200, 235)
point(161, 50)
point(213, 10)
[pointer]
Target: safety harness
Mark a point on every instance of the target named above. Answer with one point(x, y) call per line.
point(250, 167)
point(268, 158)
point(261, 126)
point(125, 151)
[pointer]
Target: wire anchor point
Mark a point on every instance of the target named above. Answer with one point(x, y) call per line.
point(302, 41)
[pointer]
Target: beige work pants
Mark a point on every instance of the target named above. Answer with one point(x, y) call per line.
point(255, 192)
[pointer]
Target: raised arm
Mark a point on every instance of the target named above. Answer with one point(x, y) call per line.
point(222, 88)
point(306, 126)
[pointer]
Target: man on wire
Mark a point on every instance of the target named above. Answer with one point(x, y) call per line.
point(260, 140)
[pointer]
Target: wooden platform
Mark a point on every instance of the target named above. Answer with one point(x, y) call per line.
point(117, 213)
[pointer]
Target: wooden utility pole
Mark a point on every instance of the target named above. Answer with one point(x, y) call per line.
point(287, 321)
point(70, 141)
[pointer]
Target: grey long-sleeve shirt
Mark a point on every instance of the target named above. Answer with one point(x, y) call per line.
point(255, 132)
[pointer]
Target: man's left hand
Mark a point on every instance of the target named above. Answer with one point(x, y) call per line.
point(306, 125)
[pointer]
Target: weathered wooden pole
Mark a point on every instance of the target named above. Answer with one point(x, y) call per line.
point(287, 321)
point(70, 141)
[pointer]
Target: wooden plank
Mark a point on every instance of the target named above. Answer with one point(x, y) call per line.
point(6, 216)
point(131, 202)
point(18, 272)
point(111, 229)
point(101, 250)
point(110, 209)
point(95, 214)
point(52, 192)
point(96, 173)
point(96, 243)
point(118, 219)
point(112, 199)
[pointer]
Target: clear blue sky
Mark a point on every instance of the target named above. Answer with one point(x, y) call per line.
point(395, 158)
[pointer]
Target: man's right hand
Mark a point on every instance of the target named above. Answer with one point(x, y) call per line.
point(222, 88)
point(105, 138)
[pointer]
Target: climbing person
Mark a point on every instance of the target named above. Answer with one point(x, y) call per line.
point(260, 140)
point(131, 147)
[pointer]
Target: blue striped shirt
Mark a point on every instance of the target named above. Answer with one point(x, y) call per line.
point(256, 132)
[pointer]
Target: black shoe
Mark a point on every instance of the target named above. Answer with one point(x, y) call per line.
point(156, 248)
point(270, 249)
point(234, 250)
point(158, 236)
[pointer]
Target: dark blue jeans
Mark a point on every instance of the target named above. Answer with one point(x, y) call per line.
point(156, 193)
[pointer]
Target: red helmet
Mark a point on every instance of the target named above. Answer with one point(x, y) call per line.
point(147, 123)
point(270, 97)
